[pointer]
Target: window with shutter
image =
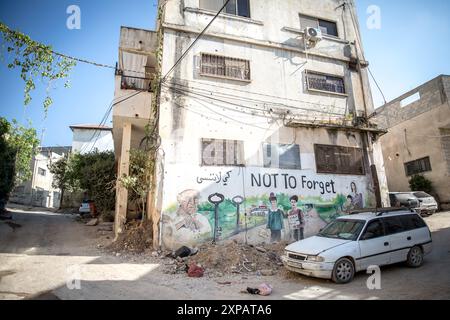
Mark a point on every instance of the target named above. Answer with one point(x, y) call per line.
point(218, 152)
point(339, 160)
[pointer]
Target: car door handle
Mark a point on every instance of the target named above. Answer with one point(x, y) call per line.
point(386, 244)
point(409, 238)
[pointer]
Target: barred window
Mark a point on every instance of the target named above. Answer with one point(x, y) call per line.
point(225, 67)
point(218, 152)
point(418, 166)
point(339, 160)
point(323, 82)
point(234, 7)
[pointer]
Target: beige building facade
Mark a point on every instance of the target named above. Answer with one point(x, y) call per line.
point(258, 108)
point(418, 141)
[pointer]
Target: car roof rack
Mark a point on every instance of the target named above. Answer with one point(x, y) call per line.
point(380, 211)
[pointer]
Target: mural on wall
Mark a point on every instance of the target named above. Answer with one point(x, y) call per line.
point(257, 206)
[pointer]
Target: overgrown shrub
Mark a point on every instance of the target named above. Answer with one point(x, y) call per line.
point(420, 183)
point(93, 173)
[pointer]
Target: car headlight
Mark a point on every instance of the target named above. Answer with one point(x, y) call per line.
point(316, 259)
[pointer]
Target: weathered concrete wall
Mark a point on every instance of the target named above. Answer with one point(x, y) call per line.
point(417, 131)
point(195, 107)
point(87, 140)
point(39, 191)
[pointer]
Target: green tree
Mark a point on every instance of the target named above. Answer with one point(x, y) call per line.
point(93, 173)
point(139, 180)
point(18, 146)
point(420, 183)
point(35, 61)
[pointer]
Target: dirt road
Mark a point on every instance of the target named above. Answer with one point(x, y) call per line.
point(44, 257)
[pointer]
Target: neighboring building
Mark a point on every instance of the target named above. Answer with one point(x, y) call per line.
point(418, 141)
point(91, 137)
point(39, 191)
point(254, 108)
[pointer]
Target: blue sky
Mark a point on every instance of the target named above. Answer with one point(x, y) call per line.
point(410, 48)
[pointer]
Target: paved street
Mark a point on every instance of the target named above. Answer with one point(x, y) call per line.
point(39, 258)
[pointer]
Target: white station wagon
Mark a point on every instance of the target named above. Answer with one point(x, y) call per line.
point(353, 243)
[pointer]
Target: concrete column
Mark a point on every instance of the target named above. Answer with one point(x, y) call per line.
point(121, 192)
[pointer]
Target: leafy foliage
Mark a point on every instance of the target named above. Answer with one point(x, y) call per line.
point(34, 60)
point(93, 172)
point(420, 183)
point(18, 145)
point(139, 181)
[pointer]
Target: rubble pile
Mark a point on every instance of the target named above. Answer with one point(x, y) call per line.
point(136, 238)
point(234, 257)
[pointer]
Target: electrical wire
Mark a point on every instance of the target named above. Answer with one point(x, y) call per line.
point(97, 132)
point(252, 93)
point(192, 90)
point(193, 43)
point(379, 88)
point(43, 47)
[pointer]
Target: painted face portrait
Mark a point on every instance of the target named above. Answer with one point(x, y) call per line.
point(188, 202)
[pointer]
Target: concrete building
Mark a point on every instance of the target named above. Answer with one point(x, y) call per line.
point(90, 137)
point(39, 191)
point(259, 107)
point(418, 141)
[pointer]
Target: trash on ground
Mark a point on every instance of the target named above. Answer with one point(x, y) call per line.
point(196, 271)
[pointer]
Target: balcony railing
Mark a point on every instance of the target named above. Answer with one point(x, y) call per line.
point(136, 83)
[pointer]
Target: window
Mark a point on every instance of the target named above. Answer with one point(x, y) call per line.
point(393, 225)
point(42, 172)
point(339, 160)
point(412, 222)
point(217, 152)
point(421, 195)
point(283, 156)
point(411, 99)
point(342, 229)
point(322, 82)
point(417, 166)
point(327, 27)
point(374, 230)
point(234, 7)
point(225, 67)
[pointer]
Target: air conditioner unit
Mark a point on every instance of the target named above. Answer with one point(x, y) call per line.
point(313, 34)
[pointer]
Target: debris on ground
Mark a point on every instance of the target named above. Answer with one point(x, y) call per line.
point(263, 290)
point(233, 257)
point(136, 238)
point(195, 271)
point(92, 223)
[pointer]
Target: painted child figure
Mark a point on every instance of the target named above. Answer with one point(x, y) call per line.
point(275, 221)
point(296, 219)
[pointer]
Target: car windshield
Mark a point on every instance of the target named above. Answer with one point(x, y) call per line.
point(421, 195)
point(343, 229)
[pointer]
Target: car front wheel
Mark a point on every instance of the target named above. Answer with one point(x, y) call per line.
point(343, 271)
point(415, 257)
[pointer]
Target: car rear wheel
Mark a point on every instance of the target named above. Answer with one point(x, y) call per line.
point(344, 271)
point(415, 257)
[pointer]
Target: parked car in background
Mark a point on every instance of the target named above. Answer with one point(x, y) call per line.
point(428, 203)
point(353, 243)
point(422, 202)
